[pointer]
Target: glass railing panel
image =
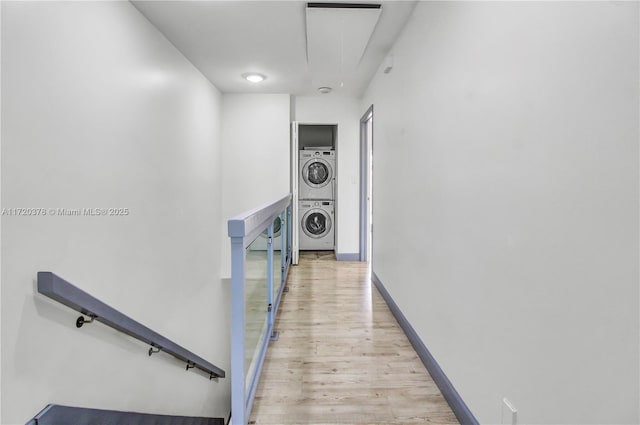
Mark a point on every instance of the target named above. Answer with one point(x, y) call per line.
point(290, 223)
point(285, 237)
point(284, 245)
point(256, 304)
point(277, 255)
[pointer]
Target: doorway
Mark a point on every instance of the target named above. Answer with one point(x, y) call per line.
point(366, 184)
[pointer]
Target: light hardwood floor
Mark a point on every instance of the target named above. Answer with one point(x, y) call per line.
point(341, 357)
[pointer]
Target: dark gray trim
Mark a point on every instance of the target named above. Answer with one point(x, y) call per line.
point(55, 414)
point(348, 256)
point(58, 289)
point(450, 394)
point(364, 183)
point(343, 5)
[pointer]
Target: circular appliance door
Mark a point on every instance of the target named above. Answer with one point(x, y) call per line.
point(317, 173)
point(277, 227)
point(316, 223)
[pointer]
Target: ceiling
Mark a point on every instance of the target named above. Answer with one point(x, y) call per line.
point(299, 49)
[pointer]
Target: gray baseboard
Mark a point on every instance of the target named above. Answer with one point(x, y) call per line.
point(450, 394)
point(348, 256)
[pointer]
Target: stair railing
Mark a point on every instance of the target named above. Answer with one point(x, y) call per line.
point(260, 259)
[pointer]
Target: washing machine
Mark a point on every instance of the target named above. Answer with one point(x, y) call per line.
point(316, 225)
point(317, 174)
point(260, 244)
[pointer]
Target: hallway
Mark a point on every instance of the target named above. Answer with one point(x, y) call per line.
point(341, 357)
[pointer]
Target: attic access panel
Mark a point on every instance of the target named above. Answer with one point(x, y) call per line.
point(337, 37)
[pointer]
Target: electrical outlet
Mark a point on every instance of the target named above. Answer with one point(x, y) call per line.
point(509, 413)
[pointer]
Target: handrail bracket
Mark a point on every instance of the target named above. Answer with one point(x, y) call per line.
point(81, 320)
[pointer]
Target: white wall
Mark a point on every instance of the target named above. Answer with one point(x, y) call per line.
point(0, 218)
point(346, 112)
point(506, 202)
point(101, 111)
point(255, 170)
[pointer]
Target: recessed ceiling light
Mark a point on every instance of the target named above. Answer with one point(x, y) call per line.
point(324, 90)
point(254, 77)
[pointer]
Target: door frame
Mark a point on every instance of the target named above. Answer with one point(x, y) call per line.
point(295, 226)
point(364, 182)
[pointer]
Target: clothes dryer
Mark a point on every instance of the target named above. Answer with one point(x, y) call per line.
point(317, 174)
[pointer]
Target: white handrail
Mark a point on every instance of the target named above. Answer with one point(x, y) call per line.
point(250, 224)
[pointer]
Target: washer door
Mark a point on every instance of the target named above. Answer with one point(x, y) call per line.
point(316, 223)
point(277, 228)
point(317, 173)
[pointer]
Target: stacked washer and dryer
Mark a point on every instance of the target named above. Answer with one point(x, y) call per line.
point(316, 194)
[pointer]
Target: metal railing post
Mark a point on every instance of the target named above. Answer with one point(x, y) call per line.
point(270, 299)
point(238, 386)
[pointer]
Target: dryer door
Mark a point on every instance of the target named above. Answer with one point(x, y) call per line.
point(277, 228)
point(317, 173)
point(316, 223)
